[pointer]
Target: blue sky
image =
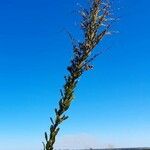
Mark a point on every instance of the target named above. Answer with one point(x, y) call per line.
point(112, 103)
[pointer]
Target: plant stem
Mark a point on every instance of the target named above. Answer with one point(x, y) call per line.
point(94, 31)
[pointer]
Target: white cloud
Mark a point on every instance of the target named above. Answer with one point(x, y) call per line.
point(79, 141)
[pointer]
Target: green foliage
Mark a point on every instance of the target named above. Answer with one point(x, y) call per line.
point(95, 25)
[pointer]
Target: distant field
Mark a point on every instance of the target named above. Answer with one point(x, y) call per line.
point(123, 149)
point(112, 149)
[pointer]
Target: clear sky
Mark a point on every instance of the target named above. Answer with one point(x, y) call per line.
point(112, 104)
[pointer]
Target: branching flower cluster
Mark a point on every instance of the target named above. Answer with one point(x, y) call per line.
point(95, 25)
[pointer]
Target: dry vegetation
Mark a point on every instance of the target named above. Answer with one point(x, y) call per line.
point(95, 25)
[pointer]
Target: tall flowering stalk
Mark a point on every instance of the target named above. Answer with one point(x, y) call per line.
point(95, 25)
